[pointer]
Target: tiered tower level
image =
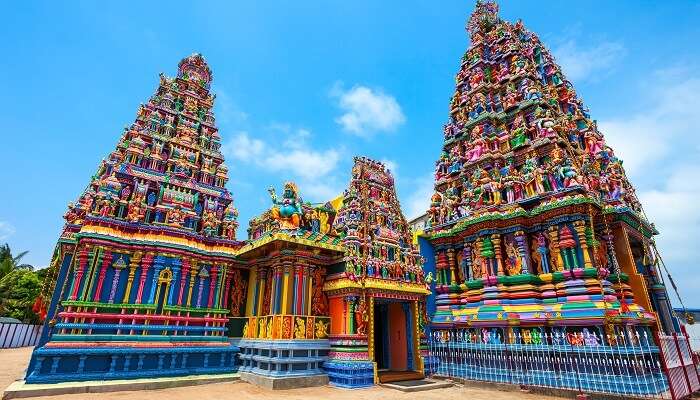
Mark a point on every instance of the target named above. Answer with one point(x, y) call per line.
point(144, 270)
point(534, 226)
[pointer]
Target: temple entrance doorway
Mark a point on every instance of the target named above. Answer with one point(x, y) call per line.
point(393, 341)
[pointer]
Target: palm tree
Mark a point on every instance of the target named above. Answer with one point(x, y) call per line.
point(9, 263)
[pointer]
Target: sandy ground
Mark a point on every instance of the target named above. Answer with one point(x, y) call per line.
point(13, 363)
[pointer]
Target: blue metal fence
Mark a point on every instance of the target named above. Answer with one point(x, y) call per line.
point(18, 335)
point(629, 365)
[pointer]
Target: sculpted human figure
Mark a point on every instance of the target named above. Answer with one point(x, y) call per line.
point(288, 210)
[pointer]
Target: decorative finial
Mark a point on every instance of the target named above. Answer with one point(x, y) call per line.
point(484, 17)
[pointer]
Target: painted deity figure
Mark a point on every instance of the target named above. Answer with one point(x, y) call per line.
point(478, 147)
point(518, 134)
point(288, 210)
point(542, 249)
point(568, 174)
point(546, 126)
point(514, 263)
point(176, 217)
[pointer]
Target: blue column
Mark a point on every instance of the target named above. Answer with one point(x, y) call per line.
point(176, 265)
point(158, 264)
point(409, 334)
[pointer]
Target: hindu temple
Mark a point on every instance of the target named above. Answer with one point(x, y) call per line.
point(534, 237)
point(535, 234)
point(151, 281)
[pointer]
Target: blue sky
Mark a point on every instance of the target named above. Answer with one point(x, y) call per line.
point(303, 86)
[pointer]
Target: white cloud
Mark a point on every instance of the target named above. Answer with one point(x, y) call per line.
point(295, 157)
point(366, 110)
point(419, 199)
point(662, 129)
point(227, 111)
point(660, 151)
point(304, 162)
point(6, 230)
point(674, 211)
point(243, 148)
point(579, 63)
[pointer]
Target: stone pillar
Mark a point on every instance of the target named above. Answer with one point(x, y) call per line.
point(193, 273)
point(227, 290)
point(350, 302)
point(183, 278)
point(580, 227)
point(145, 266)
point(467, 260)
point(94, 261)
point(554, 248)
point(133, 264)
point(438, 268)
point(106, 262)
point(286, 289)
point(158, 264)
point(200, 286)
point(213, 272)
point(520, 240)
point(78, 276)
point(496, 239)
point(175, 267)
point(298, 289)
point(451, 263)
point(482, 267)
point(118, 267)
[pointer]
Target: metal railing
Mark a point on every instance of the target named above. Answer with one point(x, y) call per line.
point(625, 364)
point(19, 335)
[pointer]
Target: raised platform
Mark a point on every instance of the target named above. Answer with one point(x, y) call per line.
point(98, 362)
point(21, 389)
point(418, 385)
point(284, 382)
point(282, 358)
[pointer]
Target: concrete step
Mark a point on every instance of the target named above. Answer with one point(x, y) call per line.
point(417, 385)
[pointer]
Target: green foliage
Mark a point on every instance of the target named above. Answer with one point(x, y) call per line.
point(18, 291)
point(9, 263)
point(19, 286)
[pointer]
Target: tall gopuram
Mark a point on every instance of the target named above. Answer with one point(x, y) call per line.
point(379, 289)
point(536, 234)
point(336, 290)
point(142, 278)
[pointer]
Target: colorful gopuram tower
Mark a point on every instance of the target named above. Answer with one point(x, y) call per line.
point(336, 290)
point(142, 274)
point(535, 231)
point(376, 296)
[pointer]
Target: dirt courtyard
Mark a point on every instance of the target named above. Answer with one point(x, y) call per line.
point(13, 363)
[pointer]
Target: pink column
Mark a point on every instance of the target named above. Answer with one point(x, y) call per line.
point(183, 277)
point(212, 284)
point(82, 263)
point(227, 292)
point(106, 262)
point(298, 290)
point(147, 261)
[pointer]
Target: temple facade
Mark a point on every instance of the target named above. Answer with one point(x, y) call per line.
point(149, 280)
point(535, 243)
point(534, 234)
point(144, 269)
